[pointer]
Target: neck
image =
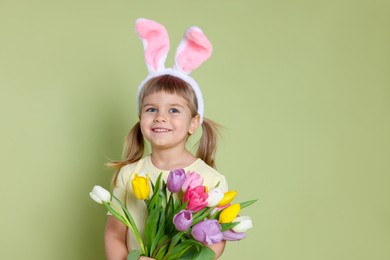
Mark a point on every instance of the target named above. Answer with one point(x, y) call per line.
point(172, 159)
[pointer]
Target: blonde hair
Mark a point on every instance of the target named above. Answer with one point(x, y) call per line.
point(134, 145)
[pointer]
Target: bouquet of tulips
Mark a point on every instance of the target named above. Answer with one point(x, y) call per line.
point(180, 226)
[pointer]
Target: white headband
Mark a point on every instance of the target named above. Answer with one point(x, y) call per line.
point(192, 51)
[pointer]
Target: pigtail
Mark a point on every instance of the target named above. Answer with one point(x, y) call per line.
point(133, 151)
point(208, 142)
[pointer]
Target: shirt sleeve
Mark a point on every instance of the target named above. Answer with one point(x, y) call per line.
point(223, 184)
point(120, 189)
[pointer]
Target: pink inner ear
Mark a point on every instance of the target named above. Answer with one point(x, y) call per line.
point(195, 50)
point(156, 42)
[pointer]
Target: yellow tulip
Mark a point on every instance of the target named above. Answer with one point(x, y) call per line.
point(227, 198)
point(141, 186)
point(229, 214)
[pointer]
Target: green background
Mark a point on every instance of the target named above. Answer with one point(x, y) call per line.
point(302, 87)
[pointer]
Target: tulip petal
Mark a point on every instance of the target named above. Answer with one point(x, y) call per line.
point(141, 186)
point(229, 214)
point(244, 225)
point(215, 196)
point(101, 193)
point(95, 198)
point(230, 235)
point(183, 220)
point(192, 180)
point(228, 197)
point(207, 232)
point(176, 180)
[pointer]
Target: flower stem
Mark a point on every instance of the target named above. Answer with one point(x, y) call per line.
point(133, 227)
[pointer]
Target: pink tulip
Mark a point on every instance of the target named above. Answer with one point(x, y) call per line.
point(192, 180)
point(197, 198)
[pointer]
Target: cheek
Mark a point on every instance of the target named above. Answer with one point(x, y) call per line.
point(143, 123)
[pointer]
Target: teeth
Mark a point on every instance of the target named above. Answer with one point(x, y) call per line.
point(160, 130)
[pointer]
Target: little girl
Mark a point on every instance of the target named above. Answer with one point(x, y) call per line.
point(170, 109)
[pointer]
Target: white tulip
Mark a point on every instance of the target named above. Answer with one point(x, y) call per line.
point(100, 194)
point(95, 198)
point(245, 224)
point(215, 196)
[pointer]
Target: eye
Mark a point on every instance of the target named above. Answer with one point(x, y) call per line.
point(174, 110)
point(151, 109)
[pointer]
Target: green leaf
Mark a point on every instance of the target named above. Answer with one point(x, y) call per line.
point(176, 205)
point(162, 251)
point(178, 209)
point(197, 218)
point(131, 224)
point(175, 239)
point(216, 214)
point(151, 226)
point(163, 199)
point(205, 253)
point(152, 184)
point(164, 191)
point(183, 247)
point(179, 250)
point(134, 254)
point(247, 203)
point(189, 253)
point(200, 212)
point(169, 215)
point(156, 193)
point(115, 213)
point(169, 207)
point(129, 218)
point(124, 209)
point(227, 226)
point(164, 239)
point(160, 232)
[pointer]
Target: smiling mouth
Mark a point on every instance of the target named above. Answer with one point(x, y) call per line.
point(160, 130)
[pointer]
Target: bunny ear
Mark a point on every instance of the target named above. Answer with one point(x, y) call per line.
point(155, 39)
point(193, 50)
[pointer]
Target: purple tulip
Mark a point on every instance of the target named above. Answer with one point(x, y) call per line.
point(208, 232)
point(230, 235)
point(183, 220)
point(175, 180)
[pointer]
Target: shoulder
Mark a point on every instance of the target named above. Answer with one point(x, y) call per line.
point(207, 169)
point(210, 175)
point(125, 174)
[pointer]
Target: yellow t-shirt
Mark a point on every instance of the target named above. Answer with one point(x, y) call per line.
point(124, 192)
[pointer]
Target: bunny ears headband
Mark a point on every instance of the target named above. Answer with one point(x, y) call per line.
point(192, 51)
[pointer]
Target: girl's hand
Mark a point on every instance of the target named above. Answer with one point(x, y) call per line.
point(218, 248)
point(145, 258)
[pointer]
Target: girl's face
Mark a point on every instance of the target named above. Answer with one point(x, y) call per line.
point(166, 120)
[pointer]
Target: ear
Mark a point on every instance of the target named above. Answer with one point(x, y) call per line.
point(155, 39)
point(193, 50)
point(195, 122)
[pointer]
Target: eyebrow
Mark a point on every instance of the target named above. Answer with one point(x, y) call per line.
point(176, 105)
point(145, 105)
point(171, 105)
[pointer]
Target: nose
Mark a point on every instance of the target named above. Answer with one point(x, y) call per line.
point(159, 118)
